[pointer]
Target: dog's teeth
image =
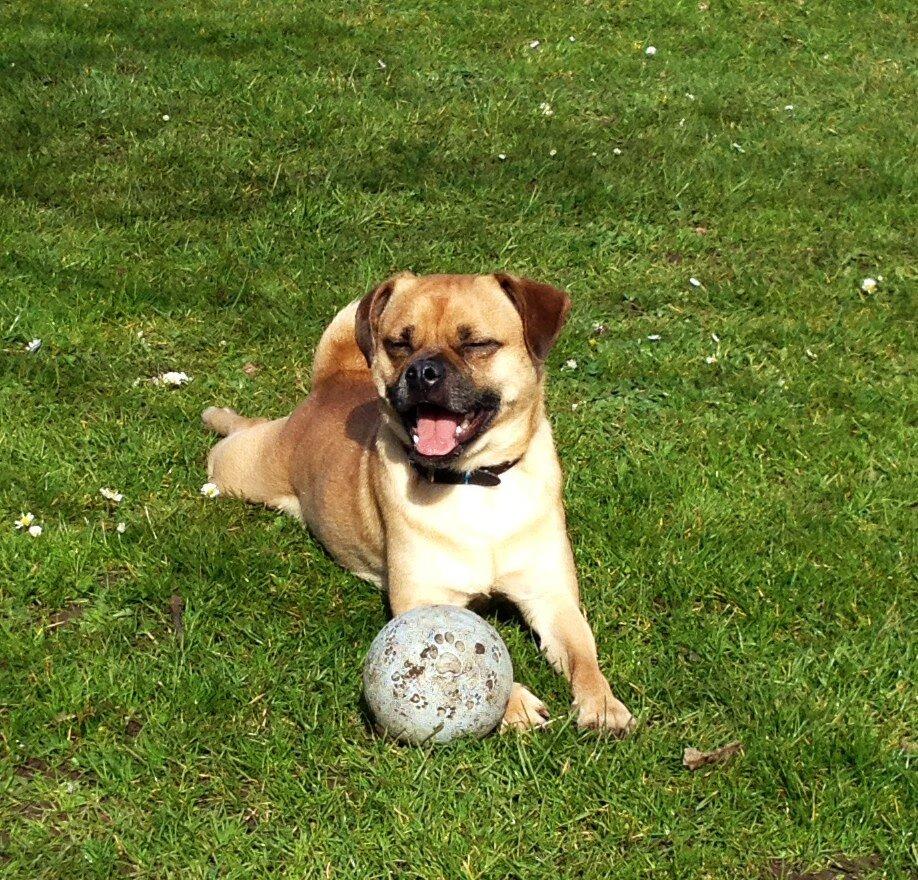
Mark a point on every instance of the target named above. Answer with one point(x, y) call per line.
point(458, 430)
point(416, 439)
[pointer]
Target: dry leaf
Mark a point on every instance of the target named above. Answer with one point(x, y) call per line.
point(251, 369)
point(693, 759)
point(840, 868)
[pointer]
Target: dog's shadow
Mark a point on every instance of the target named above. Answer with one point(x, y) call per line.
point(361, 424)
point(497, 607)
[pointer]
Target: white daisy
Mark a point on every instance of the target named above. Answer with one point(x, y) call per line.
point(711, 359)
point(694, 282)
point(502, 156)
point(165, 117)
point(869, 285)
point(552, 152)
point(111, 495)
point(120, 528)
point(534, 44)
point(545, 109)
point(24, 521)
point(171, 378)
point(35, 531)
point(210, 490)
point(570, 364)
point(616, 151)
point(650, 51)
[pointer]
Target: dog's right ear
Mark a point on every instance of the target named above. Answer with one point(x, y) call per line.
point(368, 311)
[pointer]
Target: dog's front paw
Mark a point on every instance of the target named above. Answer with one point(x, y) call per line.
point(599, 710)
point(525, 710)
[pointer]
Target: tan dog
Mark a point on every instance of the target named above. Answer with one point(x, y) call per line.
point(424, 462)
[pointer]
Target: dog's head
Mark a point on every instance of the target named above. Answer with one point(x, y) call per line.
point(458, 360)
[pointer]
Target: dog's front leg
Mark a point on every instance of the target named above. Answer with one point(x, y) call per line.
point(568, 643)
point(547, 595)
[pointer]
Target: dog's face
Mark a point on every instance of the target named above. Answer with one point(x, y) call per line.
point(458, 361)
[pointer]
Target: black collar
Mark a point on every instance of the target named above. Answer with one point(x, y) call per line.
point(486, 476)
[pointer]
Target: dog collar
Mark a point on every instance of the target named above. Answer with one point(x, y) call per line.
point(486, 476)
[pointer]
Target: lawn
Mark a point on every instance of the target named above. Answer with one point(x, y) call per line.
point(200, 186)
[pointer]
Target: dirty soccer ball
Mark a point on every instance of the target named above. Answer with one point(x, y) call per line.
point(437, 673)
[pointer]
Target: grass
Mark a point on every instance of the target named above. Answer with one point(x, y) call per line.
point(745, 529)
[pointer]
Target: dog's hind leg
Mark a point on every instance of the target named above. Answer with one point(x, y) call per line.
point(224, 421)
point(248, 462)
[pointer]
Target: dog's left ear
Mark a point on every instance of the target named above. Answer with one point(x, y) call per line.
point(368, 311)
point(543, 310)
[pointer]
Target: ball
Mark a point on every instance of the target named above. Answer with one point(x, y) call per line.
point(437, 673)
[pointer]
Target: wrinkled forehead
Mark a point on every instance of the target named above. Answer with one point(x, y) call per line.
point(437, 306)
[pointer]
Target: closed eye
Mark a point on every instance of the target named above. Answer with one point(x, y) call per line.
point(398, 347)
point(480, 347)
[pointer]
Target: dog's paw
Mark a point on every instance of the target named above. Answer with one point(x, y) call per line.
point(525, 710)
point(600, 711)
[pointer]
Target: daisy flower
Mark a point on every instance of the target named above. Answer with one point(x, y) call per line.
point(172, 378)
point(24, 521)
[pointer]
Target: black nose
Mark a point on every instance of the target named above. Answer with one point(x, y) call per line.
point(425, 374)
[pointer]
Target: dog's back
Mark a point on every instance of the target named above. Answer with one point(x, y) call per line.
point(317, 458)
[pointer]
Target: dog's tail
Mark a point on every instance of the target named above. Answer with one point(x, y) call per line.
point(226, 421)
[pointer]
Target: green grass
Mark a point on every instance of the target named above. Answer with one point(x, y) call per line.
point(745, 530)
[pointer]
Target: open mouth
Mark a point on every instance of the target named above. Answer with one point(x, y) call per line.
point(437, 432)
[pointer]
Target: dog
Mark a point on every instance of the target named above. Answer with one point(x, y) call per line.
point(424, 462)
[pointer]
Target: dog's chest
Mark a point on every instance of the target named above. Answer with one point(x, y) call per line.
point(476, 518)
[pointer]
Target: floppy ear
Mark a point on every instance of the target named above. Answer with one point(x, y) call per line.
point(543, 310)
point(368, 311)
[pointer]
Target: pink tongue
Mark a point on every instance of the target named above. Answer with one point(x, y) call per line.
point(436, 433)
